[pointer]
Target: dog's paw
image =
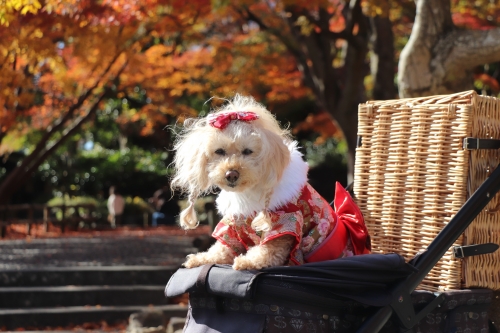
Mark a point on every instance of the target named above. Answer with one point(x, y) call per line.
point(192, 261)
point(244, 263)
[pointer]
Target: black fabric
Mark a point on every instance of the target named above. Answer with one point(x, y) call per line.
point(205, 318)
point(332, 296)
point(275, 315)
point(183, 281)
point(364, 278)
point(363, 271)
point(461, 311)
point(222, 280)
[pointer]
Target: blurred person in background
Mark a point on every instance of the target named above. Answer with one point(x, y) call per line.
point(165, 206)
point(116, 204)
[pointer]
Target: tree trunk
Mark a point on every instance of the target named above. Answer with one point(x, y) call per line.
point(42, 151)
point(346, 113)
point(338, 90)
point(382, 62)
point(439, 57)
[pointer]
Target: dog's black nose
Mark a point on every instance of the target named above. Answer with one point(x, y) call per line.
point(232, 176)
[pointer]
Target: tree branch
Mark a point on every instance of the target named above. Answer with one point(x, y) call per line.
point(310, 78)
point(471, 48)
point(439, 58)
point(66, 134)
point(16, 177)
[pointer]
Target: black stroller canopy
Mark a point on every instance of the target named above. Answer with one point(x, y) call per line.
point(365, 278)
point(371, 270)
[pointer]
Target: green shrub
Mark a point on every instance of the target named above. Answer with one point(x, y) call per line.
point(136, 206)
point(99, 209)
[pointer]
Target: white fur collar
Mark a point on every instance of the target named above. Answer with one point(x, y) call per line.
point(251, 202)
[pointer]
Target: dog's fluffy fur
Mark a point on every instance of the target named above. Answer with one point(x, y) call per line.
point(260, 152)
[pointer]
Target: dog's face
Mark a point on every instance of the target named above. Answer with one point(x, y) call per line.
point(237, 148)
point(235, 158)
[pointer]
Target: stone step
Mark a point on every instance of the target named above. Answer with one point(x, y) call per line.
point(90, 275)
point(38, 318)
point(29, 297)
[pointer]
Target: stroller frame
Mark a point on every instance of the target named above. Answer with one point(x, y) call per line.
point(401, 304)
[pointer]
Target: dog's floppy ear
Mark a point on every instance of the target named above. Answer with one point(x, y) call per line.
point(188, 218)
point(190, 177)
point(275, 157)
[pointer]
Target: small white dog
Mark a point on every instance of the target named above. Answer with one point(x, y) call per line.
point(271, 215)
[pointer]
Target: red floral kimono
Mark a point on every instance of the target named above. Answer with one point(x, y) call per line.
point(320, 232)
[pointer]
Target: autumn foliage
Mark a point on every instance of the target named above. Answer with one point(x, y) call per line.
point(62, 61)
point(55, 53)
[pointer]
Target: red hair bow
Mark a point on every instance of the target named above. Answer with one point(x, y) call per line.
point(221, 120)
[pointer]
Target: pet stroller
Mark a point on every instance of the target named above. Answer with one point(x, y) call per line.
point(367, 293)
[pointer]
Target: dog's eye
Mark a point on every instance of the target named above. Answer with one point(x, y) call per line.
point(247, 151)
point(220, 151)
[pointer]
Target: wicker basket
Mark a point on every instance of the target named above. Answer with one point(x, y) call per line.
point(412, 174)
